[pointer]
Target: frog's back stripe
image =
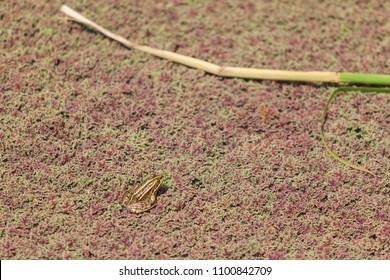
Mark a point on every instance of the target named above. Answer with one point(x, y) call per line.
point(144, 188)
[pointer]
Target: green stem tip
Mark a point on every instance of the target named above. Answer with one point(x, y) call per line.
point(369, 79)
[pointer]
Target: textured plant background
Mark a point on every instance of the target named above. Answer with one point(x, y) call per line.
point(83, 118)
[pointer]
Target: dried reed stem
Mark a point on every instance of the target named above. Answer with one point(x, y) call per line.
point(238, 72)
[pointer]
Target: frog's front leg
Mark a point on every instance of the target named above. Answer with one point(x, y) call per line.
point(142, 206)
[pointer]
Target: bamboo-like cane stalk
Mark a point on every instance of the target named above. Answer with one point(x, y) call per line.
point(238, 72)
